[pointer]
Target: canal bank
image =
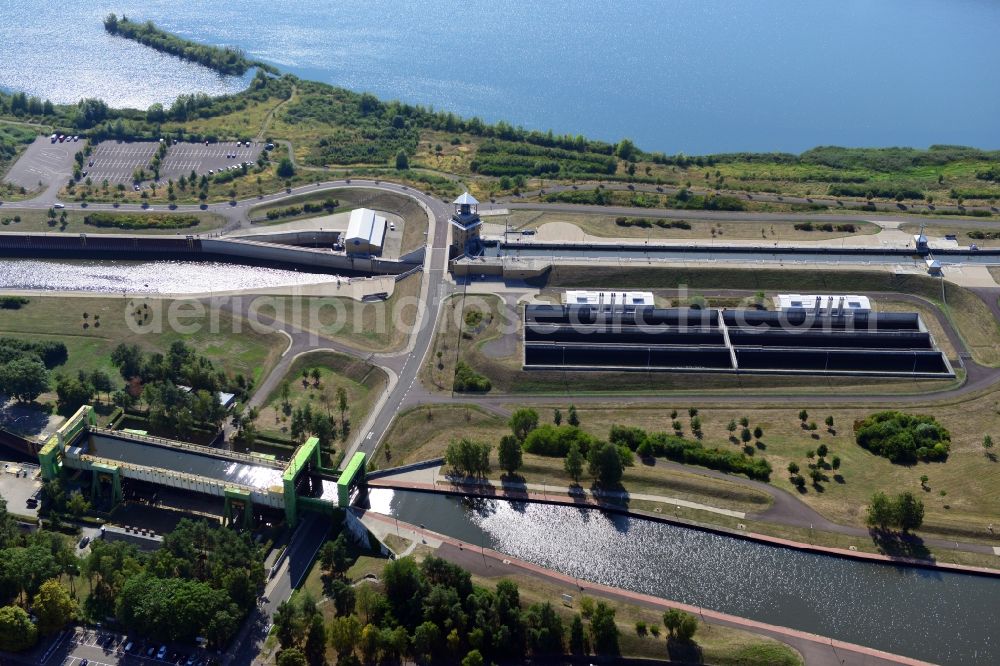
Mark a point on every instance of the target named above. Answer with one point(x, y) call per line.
point(930, 614)
point(586, 500)
point(816, 650)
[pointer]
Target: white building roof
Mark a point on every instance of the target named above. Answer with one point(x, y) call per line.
point(609, 298)
point(822, 302)
point(365, 226)
point(466, 198)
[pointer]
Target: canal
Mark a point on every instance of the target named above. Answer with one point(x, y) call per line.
point(147, 277)
point(948, 618)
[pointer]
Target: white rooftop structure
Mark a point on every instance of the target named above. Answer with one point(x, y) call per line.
point(823, 304)
point(365, 231)
point(466, 199)
point(609, 299)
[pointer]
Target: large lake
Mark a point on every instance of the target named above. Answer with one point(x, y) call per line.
point(675, 75)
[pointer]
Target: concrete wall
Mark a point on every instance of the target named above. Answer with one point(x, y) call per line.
point(123, 246)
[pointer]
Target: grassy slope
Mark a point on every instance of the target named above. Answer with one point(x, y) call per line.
point(363, 383)
point(604, 225)
point(61, 318)
point(718, 645)
point(38, 221)
point(365, 326)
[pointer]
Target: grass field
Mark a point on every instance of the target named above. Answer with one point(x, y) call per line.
point(969, 478)
point(424, 433)
point(61, 318)
point(362, 382)
point(717, 645)
point(961, 231)
point(38, 221)
point(605, 226)
point(376, 326)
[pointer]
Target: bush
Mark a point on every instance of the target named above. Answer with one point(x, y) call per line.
point(137, 221)
point(468, 380)
point(690, 452)
point(12, 302)
point(903, 438)
point(555, 441)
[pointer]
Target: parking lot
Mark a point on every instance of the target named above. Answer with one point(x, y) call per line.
point(19, 485)
point(104, 648)
point(46, 162)
point(116, 161)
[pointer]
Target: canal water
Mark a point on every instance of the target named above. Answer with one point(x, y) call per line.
point(147, 277)
point(941, 617)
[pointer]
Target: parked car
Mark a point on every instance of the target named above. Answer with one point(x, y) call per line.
point(128, 647)
point(58, 205)
point(162, 652)
point(84, 541)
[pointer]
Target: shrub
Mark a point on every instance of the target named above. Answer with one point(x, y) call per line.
point(12, 302)
point(903, 438)
point(555, 441)
point(137, 221)
point(468, 380)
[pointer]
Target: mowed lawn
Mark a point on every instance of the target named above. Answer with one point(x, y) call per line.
point(605, 226)
point(90, 340)
point(969, 479)
point(35, 221)
point(423, 433)
point(362, 382)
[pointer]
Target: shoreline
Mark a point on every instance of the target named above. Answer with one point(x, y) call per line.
point(774, 631)
point(765, 539)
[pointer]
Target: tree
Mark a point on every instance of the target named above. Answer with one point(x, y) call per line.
point(803, 416)
point(101, 382)
point(285, 394)
point(576, 636)
point(53, 607)
point(522, 422)
point(24, 378)
point(881, 513)
point(474, 657)
point(77, 504)
point(793, 468)
point(987, 442)
point(573, 420)
point(285, 168)
point(574, 462)
point(315, 650)
point(342, 405)
point(822, 450)
point(291, 657)
point(345, 632)
point(603, 630)
point(544, 629)
point(509, 453)
point(316, 376)
point(731, 427)
point(402, 161)
point(17, 632)
point(909, 511)
point(605, 464)
point(758, 432)
point(829, 422)
point(745, 436)
point(556, 416)
point(469, 457)
point(687, 628)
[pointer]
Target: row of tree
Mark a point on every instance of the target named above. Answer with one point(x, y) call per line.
point(432, 613)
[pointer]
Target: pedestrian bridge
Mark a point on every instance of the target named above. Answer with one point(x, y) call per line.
point(242, 480)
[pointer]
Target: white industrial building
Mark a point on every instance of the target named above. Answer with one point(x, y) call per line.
point(823, 304)
point(608, 300)
point(365, 232)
